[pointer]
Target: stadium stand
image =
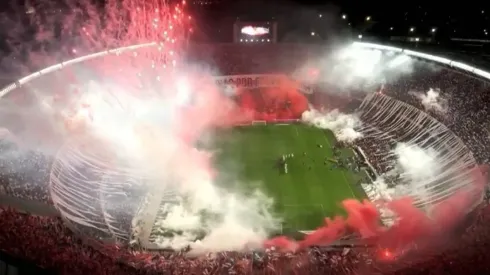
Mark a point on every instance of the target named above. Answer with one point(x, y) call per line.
point(49, 243)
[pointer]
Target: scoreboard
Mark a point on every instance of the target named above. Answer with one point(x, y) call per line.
point(255, 32)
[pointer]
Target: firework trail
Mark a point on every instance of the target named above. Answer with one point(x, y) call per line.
point(131, 115)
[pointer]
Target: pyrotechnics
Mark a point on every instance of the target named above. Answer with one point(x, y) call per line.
point(127, 165)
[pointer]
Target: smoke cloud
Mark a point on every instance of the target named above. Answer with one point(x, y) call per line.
point(414, 170)
point(157, 136)
point(144, 108)
point(432, 100)
point(417, 163)
point(147, 108)
point(353, 67)
point(343, 125)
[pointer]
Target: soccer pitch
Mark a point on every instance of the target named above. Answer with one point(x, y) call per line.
point(314, 185)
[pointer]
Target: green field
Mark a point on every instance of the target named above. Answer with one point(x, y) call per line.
point(311, 189)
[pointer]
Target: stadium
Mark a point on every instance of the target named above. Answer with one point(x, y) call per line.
point(348, 151)
point(307, 162)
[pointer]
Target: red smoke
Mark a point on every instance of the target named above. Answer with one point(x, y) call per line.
point(272, 103)
point(412, 225)
point(211, 109)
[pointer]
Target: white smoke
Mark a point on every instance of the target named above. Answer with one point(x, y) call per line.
point(243, 220)
point(342, 125)
point(431, 100)
point(384, 190)
point(355, 67)
point(150, 132)
point(416, 168)
point(417, 163)
point(419, 166)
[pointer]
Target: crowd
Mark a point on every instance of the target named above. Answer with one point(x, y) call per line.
point(47, 242)
point(24, 174)
point(463, 101)
point(461, 105)
point(50, 243)
point(375, 153)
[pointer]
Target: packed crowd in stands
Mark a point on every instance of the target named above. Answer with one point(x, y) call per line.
point(47, 241)
point(375, 152)
point(463, 100)
point(461, 106)
point(24, 174)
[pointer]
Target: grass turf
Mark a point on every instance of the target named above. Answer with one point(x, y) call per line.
point(310, 191)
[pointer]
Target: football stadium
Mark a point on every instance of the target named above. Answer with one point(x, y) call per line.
point(284, 156)
point(244, 159)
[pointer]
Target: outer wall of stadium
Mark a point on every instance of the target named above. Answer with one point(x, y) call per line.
point(274, 80)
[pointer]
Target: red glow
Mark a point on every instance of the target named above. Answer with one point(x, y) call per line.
point(273, 103)
point(314, 72)
point(386, 255)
